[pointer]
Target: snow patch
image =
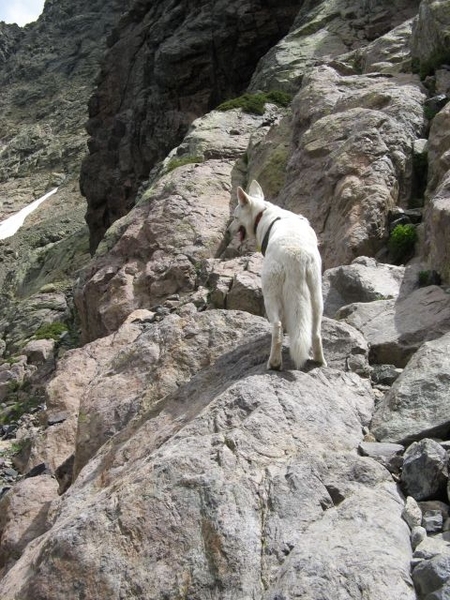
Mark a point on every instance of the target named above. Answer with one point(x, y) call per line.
point(11, 225)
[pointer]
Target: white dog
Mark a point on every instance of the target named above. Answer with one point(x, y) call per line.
point(291, 276)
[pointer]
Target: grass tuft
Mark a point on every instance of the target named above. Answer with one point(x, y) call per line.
point(256, 103)
point(174, 163)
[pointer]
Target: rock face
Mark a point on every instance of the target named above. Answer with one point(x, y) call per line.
point(328, 30)
point(168, 64)
point(153, 456)
point(430, 51)
point(352, 158)
point(429, 47)
point(10, 35)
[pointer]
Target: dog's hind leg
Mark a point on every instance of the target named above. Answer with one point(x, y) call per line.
point(314, 284)
point(275, 349)
point(274, 316)
point(317, 342)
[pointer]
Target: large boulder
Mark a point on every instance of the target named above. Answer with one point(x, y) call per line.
point(351, 161)
point(24, 515)
point(395, 329)
point(237, 481)
point(437, 210)
point(132, 377)
point(98, 389)
point(425, 470)
point(416, 406)
point(364, 280)
point(432, 577)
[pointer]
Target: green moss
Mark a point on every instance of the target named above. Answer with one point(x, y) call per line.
point(424, 68)
point(16, 447)
point(426, 278)
point(279, 97)
point(272, 174)
point(19, 400)
point(174, 163)
point(256, 103)
point(402, 242)
point(51, 331)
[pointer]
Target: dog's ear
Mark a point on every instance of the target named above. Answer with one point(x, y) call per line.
point(255, 190)
point(242, 197)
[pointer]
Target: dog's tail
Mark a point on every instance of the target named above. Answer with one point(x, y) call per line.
point(298, 317)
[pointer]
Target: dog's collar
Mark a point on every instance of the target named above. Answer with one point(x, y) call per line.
point(266, 237)
point(257, 220)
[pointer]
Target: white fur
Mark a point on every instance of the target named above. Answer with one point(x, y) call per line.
point(291, 276)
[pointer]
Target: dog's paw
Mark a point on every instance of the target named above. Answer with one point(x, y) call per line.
point(319, 363)
point(319, 359)
point(274, 366)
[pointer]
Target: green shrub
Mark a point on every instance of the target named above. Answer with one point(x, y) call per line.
point(250, 103)
point(51, 331)
point(401, 242)
point(256, 103)
point(429, 112)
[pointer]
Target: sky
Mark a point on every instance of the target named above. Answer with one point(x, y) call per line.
point(20, 11)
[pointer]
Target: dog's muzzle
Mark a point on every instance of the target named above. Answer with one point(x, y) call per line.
point(242, 233)
point(236, 229)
